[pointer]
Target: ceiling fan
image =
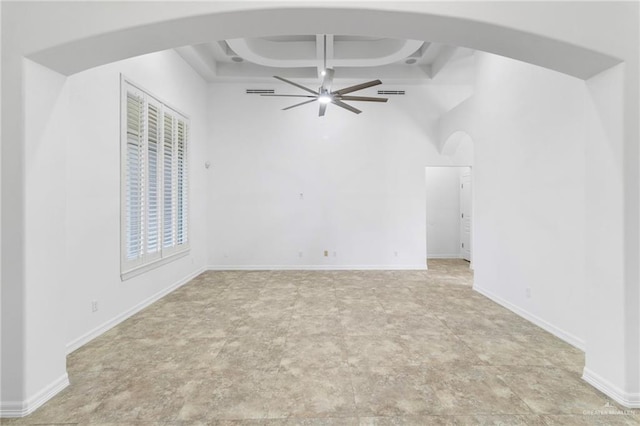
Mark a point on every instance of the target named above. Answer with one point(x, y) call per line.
point(325, 96)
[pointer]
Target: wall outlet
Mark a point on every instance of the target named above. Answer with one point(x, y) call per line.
point(335, 254)
point(299, 254)
point(395, 253)
point(326, 253)
point(94, 306)
point(527, 292)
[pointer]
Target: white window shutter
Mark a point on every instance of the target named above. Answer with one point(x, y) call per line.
point(153, 179)
point(133, 174)
point(154, 170)
point(168, 192)
point(182, 176)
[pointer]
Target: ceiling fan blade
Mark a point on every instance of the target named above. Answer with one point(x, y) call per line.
point(297, 105)
point(292, 96)
point(296, 84)
point(323, 109)
point(345, 106)
point(327, 80)
point(362, 98)
point(357, 87)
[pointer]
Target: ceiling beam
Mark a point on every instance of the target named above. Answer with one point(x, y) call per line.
point(320, 51)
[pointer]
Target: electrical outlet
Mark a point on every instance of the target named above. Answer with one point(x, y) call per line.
point(94, 306)
point(528, 293)
point(395, 253)
point(299, 254)
point(335, 254)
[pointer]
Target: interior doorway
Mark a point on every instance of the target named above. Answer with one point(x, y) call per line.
point(465, 213)
point(449, 212)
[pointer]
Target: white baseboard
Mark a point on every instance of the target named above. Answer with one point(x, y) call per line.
point(86, 338)
point(317, 267)
point(626, 399)
point(13, 409)
point(558, 332)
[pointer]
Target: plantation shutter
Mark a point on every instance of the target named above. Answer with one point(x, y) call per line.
point(154, 179)
point(134, 176)
point(182, 193)
point(175, 175)
point(168, 209)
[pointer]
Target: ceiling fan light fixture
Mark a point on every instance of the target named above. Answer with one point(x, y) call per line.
point(325, 99)
point(324, 95)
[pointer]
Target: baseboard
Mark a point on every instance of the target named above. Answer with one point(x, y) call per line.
point(558, 332)
point(13, 409)
point(86, 338)
point(626, 399)
point(317, 267)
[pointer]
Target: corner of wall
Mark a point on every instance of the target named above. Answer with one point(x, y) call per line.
point(545, 325)
point(626, 399)
point(106, 326)
point(16, 409)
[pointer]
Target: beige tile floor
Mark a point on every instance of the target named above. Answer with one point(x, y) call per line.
point(329, 348)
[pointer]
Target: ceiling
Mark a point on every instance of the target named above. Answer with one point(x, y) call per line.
point(303, 57)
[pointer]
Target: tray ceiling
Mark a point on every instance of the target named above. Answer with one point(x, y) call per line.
point(303, 57)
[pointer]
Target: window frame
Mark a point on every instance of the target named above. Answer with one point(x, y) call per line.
point(145, 261)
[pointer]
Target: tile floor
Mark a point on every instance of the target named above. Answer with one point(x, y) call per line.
point(329, 348)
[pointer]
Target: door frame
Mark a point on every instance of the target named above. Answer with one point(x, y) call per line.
point(461, 166)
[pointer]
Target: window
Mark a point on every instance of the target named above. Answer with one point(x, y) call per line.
point(154, 201)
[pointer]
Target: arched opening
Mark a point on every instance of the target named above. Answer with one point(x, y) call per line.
point(450, 26)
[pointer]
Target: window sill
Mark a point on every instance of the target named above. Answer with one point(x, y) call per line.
point(131, 273)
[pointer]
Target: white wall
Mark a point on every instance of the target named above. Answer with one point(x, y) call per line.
point(46, 124)
point(93, 190)
point(443, 211)
point(605, 256)
point(529, 192)
point(361, 176)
